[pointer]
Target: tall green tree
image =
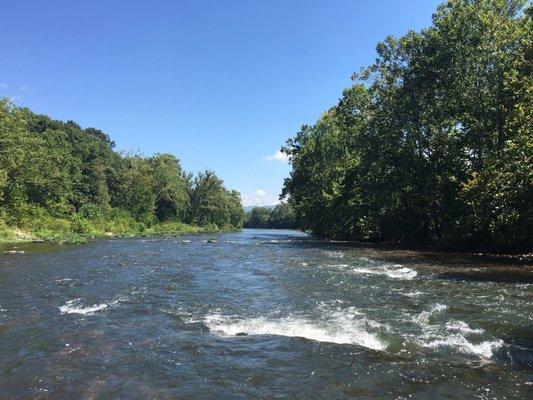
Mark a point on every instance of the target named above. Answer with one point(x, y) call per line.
point(213, 204)
point(433, 141)
point(171, 197)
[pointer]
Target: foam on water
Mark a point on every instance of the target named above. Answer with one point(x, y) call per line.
point(452, 334)
point(74, 307)
point(413, 294)
point(343, 327)
point(461, 326)
point(459, 342)
point(395, 272)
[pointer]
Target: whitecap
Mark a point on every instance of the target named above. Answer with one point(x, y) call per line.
point(459, 342)
point(73, 307)
point(452, 334)
point(401, 273)
point(342, 328)
point(398, 272)
point(461, 326)
point(412, 294)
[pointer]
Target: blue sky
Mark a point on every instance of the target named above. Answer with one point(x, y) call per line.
point(220, 84)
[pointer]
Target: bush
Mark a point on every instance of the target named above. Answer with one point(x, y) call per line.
point(121, 222)
point(60, 209)
point(31, 216)
point(80, 224)
point(59, 225)
point(92, 212)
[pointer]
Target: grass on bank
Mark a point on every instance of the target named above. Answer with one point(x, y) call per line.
point(78, 229)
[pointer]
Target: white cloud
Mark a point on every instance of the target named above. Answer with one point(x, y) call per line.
point(4, 85)
point(259, 198)
point(278, 156)
point(24, 86)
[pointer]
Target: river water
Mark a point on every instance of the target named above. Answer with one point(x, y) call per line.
point(261, 314)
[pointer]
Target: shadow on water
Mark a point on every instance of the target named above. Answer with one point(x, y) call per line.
point(448, 265)
point(487, 276)
point(397, 251)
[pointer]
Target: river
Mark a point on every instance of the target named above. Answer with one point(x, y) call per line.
point(261, 314)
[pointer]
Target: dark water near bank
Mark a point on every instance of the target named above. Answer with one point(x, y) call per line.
point(261, 314)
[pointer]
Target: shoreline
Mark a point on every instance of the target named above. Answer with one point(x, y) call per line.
point(23, 237)
point(515, 256)
point(14, 236)
point(518, 255)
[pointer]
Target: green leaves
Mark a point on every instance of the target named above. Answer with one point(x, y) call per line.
point(280, 217)
point(52, 169)
point(433, 141)
point(213, 204)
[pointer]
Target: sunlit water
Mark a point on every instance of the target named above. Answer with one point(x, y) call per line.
point(261, 314)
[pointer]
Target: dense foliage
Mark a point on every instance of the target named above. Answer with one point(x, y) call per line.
point(280, 216)
point(57, 176)
point(433, 142)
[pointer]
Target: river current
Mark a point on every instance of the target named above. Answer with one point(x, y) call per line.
point(261, 314)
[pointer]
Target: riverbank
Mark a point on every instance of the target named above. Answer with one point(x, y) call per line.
point(15, 235)
point(505, 254)
point(517, 253)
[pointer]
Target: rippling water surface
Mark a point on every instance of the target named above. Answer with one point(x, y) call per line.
point(261, 314)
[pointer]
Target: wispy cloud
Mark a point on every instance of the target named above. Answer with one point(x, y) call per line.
point(259, 198)
point(3, 85)
point(24, 86)
point(278, 156)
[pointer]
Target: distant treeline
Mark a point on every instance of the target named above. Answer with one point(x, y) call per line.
point(56, 176)
point(433, 142)
point(278, 217)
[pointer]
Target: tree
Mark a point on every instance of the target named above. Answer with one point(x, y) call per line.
point(433, 141)
point(258, 217)
point(53, 169)
point(279, 217)
point(136, 189)
point(171, 197)
point(212, 204)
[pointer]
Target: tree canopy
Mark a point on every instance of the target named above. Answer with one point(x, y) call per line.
point(57, 171)
point(433, 142)
point(280, 216)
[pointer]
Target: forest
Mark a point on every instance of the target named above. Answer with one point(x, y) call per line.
point(280, 216)
point(60, 181)
point(432, 143)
